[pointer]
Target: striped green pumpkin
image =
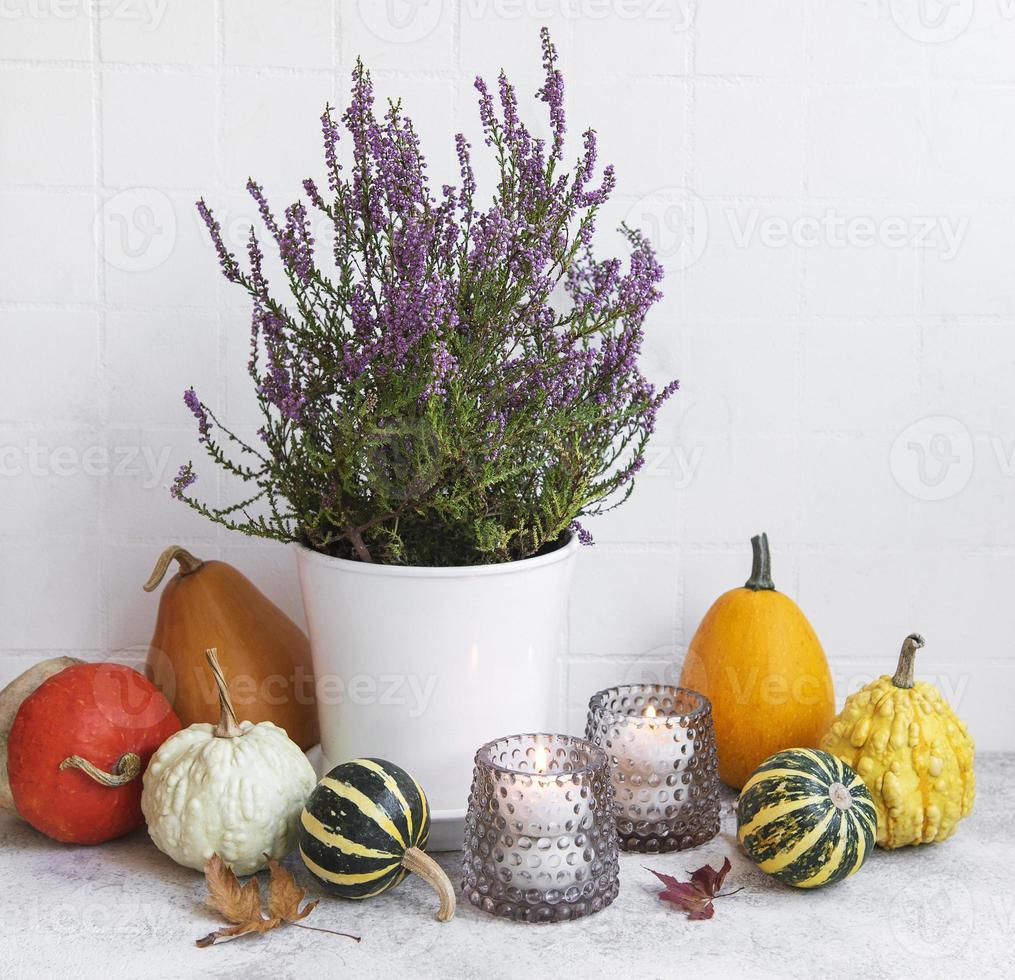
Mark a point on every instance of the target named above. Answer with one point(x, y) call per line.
point(364, 828)
point(806, 818)
point(357, 825)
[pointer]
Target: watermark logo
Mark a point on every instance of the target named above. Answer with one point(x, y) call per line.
point(39, 460)
point(236, 223)
point(125, 701)
point(933, 458)
point(675, 220)
point(410, 695)
point(121, 916)
point(940, 233)
point(136, 229)
point(954, 687)
point(405, 458)
point(677, 464)
point(660, 665)
point(401, 21)
point(148, 13)
point(675, 14)
point(917, 923)
point(932, 21)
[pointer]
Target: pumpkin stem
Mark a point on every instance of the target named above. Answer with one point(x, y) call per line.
point(228, 726)
point(420, 863)
point(761, 565)
point(127, 767)
point(904, 672)
point(188, 564)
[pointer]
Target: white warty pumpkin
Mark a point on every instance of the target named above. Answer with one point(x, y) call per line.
point(236, 789)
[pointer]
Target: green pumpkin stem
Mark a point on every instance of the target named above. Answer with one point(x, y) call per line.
point(761, 566)
point(904, 672)
point(419, 862)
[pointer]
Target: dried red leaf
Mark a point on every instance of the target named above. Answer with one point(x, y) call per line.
point(695, 896)
point(708, 880)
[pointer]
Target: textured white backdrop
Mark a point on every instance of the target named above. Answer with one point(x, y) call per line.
point(830, 186)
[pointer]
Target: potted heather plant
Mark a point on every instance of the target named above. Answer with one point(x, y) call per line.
point(447, 390)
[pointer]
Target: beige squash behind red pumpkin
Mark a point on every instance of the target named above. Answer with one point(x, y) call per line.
point(265, 655)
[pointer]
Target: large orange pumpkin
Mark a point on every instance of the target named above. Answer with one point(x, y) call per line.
point(759, 662)
point(265, 655)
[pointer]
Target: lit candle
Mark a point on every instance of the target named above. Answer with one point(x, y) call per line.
point(661, 744)
point(548, 808)
point(540, 842)
point(648, 748)
point(549, 821)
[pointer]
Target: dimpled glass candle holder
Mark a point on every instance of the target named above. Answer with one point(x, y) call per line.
point(540, 838)
point(663, 764)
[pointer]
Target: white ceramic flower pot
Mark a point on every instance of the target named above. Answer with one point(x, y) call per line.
point(421, 666)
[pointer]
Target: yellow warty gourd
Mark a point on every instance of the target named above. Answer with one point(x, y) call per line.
point(913, 753)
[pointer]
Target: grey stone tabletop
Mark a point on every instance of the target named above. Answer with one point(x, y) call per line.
point(124, 910)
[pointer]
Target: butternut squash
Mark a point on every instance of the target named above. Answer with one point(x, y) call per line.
point(265, 655)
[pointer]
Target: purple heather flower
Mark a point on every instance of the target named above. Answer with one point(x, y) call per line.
point(257, 193)
point(552, 93)
point(331, 135)
point(584, 537)
point(184, 479)
point(297, 243)
point(486, 114)
point(199, 412)
point(495, 322)
point(633, 467)
point(256, 257)
point(314, 194)
point(462, 147)
point(508, 105)
point(226, 258)
point(444, 364)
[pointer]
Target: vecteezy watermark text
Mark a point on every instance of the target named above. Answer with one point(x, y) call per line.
point(36, 459)
point(680, 225)
point(147, 13)
point(412, 693)
point(833, 229)
point(411, 21)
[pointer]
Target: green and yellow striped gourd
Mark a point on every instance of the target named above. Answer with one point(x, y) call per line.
point(364, 828)
point(806, 818)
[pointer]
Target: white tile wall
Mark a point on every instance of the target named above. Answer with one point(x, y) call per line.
point(829, 186)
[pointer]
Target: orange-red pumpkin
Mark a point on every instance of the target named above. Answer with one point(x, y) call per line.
point(78, 747)
point(11, 699)
point(265, 655)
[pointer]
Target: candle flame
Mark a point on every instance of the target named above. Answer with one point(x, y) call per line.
point(650, 711)
point(542, 759)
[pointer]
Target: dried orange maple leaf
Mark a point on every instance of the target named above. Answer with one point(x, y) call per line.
point(241, 904)
point(284, 895)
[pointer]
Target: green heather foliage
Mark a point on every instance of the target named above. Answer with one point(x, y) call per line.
point(450, 383)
